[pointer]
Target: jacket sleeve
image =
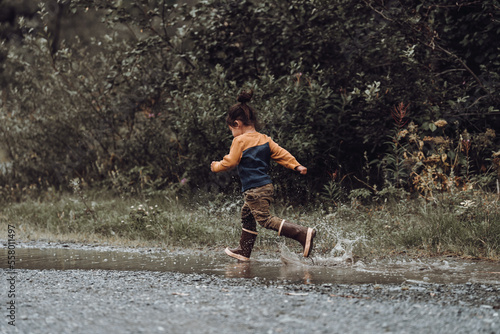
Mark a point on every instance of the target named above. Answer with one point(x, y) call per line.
point(232, 159)
point(282, 156)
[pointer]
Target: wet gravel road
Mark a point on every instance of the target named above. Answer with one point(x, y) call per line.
point(101, 301)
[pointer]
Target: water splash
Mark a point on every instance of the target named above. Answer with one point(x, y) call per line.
point(290, 258)
point(343, 250)
point(341, 254)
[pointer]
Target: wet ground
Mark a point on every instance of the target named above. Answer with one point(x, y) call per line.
point(284, 266)
point(92, 289)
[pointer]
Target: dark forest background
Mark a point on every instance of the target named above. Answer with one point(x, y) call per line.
point(372, 96)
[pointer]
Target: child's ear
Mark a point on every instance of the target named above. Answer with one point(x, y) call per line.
point(238, 123)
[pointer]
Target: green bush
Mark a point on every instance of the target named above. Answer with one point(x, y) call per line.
point(143, 110)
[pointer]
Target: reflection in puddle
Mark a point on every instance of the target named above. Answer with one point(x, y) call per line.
point(288, 268)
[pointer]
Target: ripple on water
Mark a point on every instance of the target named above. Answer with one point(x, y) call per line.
point(289, 266)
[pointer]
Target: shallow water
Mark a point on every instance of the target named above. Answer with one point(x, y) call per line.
point(285, 267)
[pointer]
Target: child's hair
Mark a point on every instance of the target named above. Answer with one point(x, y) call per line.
point(242, 111)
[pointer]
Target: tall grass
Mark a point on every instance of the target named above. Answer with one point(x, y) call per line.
point(461, 226)
point(154, 221)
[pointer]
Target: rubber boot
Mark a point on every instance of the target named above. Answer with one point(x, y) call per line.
point(304, 235)
point(243, 251)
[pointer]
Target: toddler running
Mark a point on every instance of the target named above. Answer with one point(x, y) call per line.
point(251, 152)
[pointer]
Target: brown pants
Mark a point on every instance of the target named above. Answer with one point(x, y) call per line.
point(256, 209)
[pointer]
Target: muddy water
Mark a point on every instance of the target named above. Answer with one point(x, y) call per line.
point(285, 267)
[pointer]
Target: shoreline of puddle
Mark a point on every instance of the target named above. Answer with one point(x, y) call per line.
point(285, 267)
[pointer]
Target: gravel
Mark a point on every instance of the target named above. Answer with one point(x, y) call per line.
point(107, 301)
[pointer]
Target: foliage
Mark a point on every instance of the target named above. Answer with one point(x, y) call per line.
point(140, 106)
point(441, 159)
point(465, 224)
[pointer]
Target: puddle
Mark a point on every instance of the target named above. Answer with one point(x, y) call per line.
point(288, 267)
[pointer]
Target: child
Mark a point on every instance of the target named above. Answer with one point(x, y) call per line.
point(251, 152)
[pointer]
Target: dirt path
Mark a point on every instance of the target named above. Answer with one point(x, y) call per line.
point(103, 301)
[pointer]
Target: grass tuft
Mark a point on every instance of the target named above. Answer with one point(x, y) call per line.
point(462, 226)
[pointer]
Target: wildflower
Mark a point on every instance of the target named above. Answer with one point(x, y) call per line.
point(413, 138)
point(439, 140)
point(440, 123)
point(403, 133)
point(183, 181)
point(468, 204)
point(412, 127)
point(75, 184)
point(298, 75)
point(433, 158)
point(466, 144)
point(398, 113)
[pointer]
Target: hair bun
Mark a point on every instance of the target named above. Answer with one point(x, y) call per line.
point(245, 96)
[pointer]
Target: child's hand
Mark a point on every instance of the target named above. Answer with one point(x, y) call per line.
point(212, 166)
point(301, 169)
